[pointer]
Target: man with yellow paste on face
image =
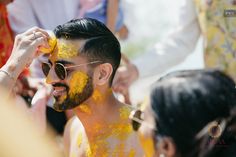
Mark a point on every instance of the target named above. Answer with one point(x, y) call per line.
point(81, 68)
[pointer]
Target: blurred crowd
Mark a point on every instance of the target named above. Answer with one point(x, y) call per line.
point(65, 82)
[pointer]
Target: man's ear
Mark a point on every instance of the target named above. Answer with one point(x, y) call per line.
point(103, 73)
point(166, 146)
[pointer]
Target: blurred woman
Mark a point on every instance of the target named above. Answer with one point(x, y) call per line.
point(192, 114)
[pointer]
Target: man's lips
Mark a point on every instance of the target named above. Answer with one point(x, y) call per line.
point(58, 91)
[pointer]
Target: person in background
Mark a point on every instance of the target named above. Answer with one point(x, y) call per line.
point(212, 19)
point(191, 114)
point(108, 12)
point(25, 14)
point(111, 14)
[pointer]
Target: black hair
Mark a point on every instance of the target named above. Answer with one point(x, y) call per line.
point(184, 103)
point(100, 43)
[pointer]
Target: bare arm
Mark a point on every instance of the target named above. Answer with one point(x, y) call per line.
point(24, 51)
point(112, 13)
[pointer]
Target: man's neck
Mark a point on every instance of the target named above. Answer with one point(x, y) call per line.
point(96, 111)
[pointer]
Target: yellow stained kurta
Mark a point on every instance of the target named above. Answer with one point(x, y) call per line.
point(219, 33)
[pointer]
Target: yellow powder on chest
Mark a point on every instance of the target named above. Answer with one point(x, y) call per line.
point(85, 108)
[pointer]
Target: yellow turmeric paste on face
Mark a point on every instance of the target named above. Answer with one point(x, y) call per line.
point(77, 83)
point(66, 51)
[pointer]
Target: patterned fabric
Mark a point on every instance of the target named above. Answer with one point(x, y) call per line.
point(219, 33)
point(6, 38)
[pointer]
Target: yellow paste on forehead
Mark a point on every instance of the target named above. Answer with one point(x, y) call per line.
point(66, 51)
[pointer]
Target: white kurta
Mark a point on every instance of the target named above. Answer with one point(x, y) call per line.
point(176, 47)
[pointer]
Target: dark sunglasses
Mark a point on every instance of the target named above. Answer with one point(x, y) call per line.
point(60, 69)
point(136, 117)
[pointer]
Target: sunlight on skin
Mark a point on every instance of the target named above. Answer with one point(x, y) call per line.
point(102, 145)
point(85, 109)
point(99, 97)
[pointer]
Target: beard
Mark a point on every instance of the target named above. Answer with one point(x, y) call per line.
point(72, 101)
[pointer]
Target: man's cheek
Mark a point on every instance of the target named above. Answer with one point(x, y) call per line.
point(77, 83)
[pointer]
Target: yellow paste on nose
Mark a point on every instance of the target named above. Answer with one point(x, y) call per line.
point(48, 79)
point(77, 83)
